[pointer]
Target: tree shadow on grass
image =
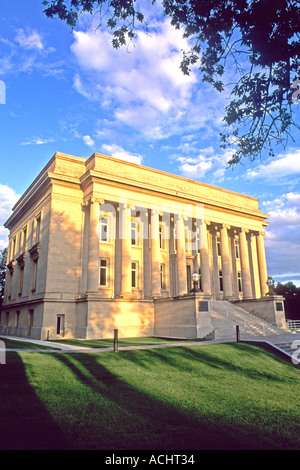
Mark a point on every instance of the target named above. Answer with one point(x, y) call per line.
point(120, 416)
point(100, 410)
point(25, 423)
point(180, 359)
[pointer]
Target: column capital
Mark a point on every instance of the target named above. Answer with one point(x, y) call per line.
point(96, 200)
point(244, 229)
point(227, 226)
point(262, 233)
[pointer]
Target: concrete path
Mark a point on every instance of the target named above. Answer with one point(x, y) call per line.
point(281, 342)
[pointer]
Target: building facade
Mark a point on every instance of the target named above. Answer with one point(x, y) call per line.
point(97, 244)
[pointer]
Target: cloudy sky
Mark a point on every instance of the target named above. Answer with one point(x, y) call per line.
point(70, 91)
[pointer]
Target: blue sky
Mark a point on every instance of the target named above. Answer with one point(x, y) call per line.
point(70, 91)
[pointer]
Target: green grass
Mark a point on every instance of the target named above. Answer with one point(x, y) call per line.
point(217, 396)
point(108, 343)
point(18, 344)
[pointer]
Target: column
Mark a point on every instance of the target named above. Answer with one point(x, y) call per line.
point(262, 264)
point(93, 253)
point(226, 270)
point(245, 266)
point(204, 257)
point(255, 272)
point(181, 259)
point(125, 236)
point(155, 255)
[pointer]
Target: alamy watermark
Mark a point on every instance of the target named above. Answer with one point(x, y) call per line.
point(296, 354)
point(2, 353)
point(2, 92)
point(161, 218)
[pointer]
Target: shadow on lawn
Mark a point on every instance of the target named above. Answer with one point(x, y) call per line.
point(180, 359)
point(111, 414)
point(25, 423)
point(124, 417)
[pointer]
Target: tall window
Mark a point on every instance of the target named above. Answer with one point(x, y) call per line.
point(221, 280)
point(237, 248)
point(34, 274)
point(162, 237)
point(24, 233)
point(21, 280)
point(104, 229)
point(103, 266)
point(134, 233)
point(13, 249)
point(239, 276)
point(38, 229)
point(134, 274)
point(218, 241)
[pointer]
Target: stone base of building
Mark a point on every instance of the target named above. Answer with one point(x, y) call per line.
point(269, 308)
point(91, 317)
point(183, 317)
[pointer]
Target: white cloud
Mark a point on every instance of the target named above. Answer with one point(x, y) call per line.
point(284, 165)
point(118, 152)
point(282, 236)
point(29, 40)
point(203, 161)
point(143, 88)
point(88, 140)
point(37, 141)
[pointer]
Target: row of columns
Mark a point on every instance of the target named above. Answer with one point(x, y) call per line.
point(125, 220)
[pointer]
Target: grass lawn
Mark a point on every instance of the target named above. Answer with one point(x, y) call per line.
point(109, 342)
point(217, 396)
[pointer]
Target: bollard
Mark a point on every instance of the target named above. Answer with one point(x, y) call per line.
point(115, 340)
point(237, 328)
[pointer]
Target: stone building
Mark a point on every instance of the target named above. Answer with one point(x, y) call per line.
point(97, 244)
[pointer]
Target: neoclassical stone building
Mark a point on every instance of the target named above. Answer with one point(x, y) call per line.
point(100, 243)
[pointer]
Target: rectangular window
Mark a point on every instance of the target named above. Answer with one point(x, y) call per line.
point(218, 241)
point(60, 325)
point(13, 249)
point(134, 274)
point(237, 248)
point(239, 276)
point(162, 237)
point(10, 283)
point(34, 274)
point(103, 266)
point(221, 280)
point(21, 280)
point(24, 239)
point(38, 229)
point(134, 233)
point(104, 229)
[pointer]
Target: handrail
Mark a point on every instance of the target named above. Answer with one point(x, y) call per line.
point(293, 324)
point(245, 317)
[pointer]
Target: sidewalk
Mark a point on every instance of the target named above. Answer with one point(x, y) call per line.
point(69, 348)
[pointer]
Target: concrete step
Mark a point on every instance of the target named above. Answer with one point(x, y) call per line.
point(225, 316)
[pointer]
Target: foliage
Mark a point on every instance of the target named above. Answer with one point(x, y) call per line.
point(291, 293)
point(258, 38)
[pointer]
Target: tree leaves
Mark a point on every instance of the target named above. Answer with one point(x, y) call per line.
point(257, 39)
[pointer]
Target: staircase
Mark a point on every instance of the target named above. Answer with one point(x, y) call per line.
point(225, 316)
